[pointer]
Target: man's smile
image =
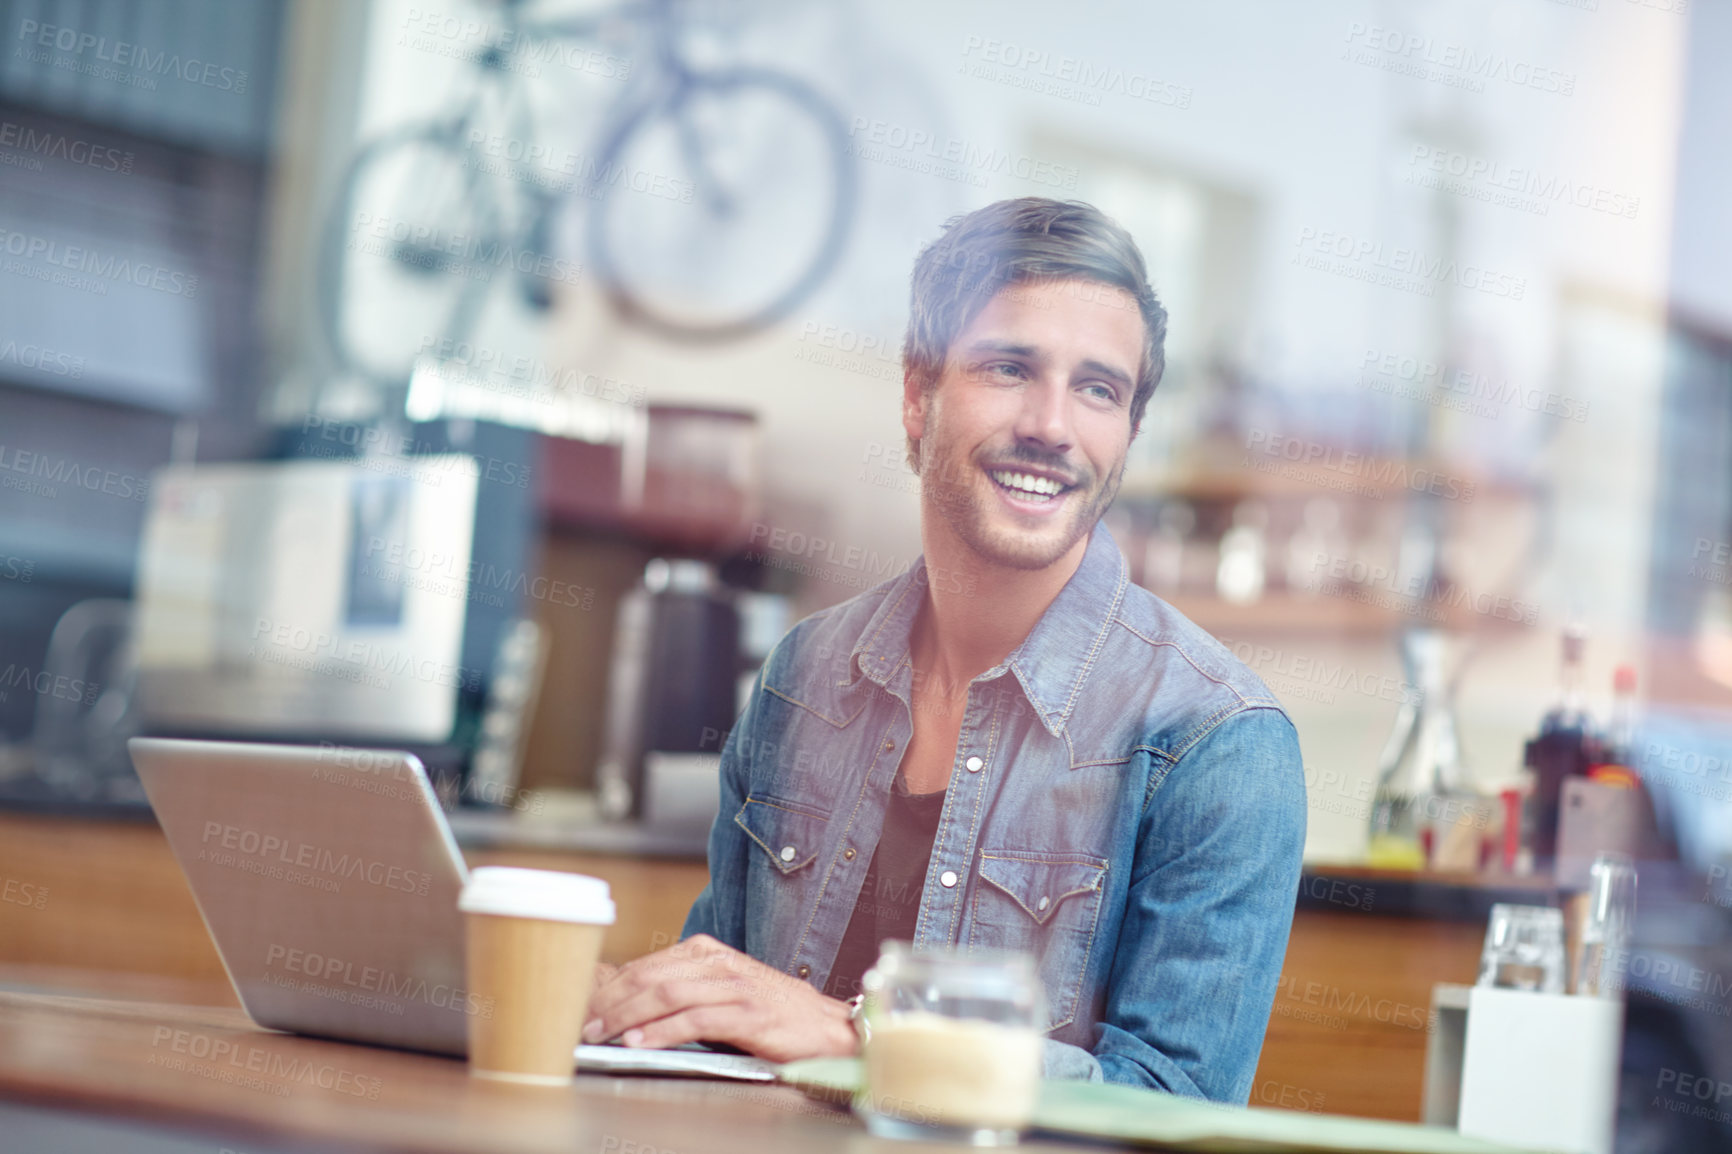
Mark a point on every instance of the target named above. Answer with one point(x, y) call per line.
point(1031, 484)
point(1029, 490)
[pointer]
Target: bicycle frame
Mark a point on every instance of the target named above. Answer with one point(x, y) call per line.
point(512, 205)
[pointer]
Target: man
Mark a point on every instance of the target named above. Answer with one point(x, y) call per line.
point(1010, 746)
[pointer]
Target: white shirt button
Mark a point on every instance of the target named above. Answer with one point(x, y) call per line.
point(1043, 903)
point(973, 765)
point(947, 879)
point(787, 853)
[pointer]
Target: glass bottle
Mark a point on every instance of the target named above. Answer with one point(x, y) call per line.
point(1570, 714)
point(1561, 749)
point(1620, 740)
point(1420, 769)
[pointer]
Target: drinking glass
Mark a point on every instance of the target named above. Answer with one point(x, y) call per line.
point(953, 1045)
point(1605, 945)
point(1524, 949)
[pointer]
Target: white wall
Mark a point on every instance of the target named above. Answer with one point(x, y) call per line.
point(1274, 105)
point(1702, 242)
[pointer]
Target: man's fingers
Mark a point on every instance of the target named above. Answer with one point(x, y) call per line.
point(620, 986)
point(632, 981)
point(698, 971)
point(709, 1023)
point(703, 990)
point(638, 975)
point(659, 1001)
point(611, 1009)
point(745, 1026)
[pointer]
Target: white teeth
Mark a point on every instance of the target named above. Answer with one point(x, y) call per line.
point(1027, 483)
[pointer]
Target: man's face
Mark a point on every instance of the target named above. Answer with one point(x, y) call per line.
point(1023, 441)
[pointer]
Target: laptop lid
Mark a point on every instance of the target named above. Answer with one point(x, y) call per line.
point(328, 879)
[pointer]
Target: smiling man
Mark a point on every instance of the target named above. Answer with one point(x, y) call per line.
point(1010, 746)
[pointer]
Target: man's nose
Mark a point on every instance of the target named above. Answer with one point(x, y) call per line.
point(1046, 415)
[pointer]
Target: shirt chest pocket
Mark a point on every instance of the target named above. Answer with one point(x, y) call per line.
point(787, 846)
point(1046, 905)
point(782, 874)
point(790, 837)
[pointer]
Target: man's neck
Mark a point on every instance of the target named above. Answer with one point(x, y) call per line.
point(976, 612)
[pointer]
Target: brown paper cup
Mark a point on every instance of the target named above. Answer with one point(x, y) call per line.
point(533, 940)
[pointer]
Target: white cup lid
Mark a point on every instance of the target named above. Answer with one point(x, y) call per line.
point(551, 895)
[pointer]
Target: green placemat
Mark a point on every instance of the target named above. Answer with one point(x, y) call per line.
point(1153, 1118)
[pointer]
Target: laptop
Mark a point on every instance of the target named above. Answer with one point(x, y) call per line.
point(328, 879)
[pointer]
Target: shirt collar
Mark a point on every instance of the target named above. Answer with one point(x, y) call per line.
point(1052, 662)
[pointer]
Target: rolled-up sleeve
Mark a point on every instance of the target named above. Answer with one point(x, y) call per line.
point(1209, 908)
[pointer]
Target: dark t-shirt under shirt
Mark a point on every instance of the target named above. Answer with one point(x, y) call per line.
point(889, 902)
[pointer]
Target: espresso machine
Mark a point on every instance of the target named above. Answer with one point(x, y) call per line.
point(686, 649)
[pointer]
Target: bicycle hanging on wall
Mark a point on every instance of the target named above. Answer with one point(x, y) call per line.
point(719, 198)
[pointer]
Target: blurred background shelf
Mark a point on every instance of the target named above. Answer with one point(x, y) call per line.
point(1378, 614)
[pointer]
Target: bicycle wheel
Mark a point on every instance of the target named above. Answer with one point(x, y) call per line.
point(404, 264)
point(722, 207)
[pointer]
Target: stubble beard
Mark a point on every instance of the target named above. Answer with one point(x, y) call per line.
point(954, 485)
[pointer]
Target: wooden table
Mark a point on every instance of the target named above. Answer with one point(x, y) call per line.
point(207, 1073)
point(1347, 1035)
point(80, 894)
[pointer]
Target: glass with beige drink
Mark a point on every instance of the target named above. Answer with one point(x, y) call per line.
point(534, 937)
point(952, 1043)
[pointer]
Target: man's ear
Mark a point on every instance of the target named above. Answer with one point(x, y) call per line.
point(915, 400)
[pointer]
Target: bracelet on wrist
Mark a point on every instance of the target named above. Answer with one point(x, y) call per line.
point(857, 1017)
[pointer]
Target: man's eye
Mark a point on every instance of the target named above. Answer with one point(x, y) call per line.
point(1104, 392)
point(1005, 369)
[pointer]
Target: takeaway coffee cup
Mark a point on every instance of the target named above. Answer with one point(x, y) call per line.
point(533, 940)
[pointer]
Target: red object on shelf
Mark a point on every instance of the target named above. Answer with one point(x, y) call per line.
point(1512, 828)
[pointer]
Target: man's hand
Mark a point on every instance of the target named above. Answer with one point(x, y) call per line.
point(702, 990)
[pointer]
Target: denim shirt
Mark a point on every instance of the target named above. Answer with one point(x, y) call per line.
point(1127, 804)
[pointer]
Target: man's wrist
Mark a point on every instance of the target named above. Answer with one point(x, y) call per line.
point(857, 1018)
point(847, 1037)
